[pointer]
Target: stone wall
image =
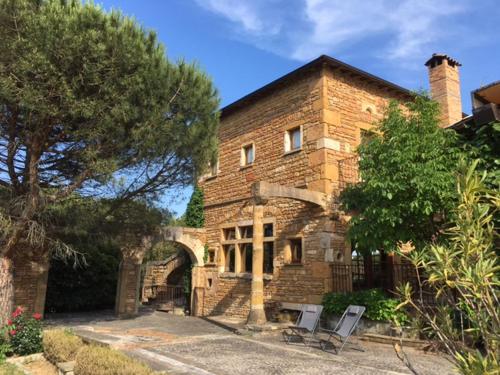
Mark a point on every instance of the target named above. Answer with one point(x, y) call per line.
point(156, 274)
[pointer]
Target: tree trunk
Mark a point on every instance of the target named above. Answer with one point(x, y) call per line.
point(6, 288)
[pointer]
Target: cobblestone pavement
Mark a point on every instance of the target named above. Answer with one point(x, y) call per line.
point(188, 345)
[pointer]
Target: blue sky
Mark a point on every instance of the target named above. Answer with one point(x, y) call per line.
point(244, 44)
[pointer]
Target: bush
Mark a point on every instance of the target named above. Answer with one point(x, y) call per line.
point(378, 306)
point(86, 287)
point(9, 369)
point(61, 345)
point(96, 360)
point(25, 332)
point(5, 348)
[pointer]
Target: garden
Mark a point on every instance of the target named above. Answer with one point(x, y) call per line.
point(25, 346)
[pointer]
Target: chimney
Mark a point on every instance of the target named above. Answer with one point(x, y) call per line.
point(444, 82)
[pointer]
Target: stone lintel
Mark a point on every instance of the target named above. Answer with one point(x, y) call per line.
point(266, 190)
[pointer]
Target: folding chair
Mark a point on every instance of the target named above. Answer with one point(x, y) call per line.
point(306, 325)
point(345, 327)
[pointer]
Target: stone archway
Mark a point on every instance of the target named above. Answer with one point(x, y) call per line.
point(128, 287)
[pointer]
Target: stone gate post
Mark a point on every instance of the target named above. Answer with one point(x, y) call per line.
point(127, 290)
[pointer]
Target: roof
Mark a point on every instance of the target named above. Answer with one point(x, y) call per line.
point(488, 94)
point(459, 125)
point(311, 66)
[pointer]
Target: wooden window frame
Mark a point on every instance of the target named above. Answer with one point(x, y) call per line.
point(243, 155)
point(288, 139)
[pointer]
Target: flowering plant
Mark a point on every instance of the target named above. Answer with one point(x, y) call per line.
point(25, 332)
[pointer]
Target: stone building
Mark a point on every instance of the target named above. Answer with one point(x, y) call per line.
point(285, 152)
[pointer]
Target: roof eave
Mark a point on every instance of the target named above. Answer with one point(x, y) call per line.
point(322, 60)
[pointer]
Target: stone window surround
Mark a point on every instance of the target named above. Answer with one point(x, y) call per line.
point(238, 241)
point(287, 147)
point(287, 251)
point(360, 126)
point(243, 163)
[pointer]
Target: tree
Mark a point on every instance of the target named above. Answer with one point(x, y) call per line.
point(464, 272)
point(407, 179)
point(87, 225)
point(195, 216)
point(89, 104)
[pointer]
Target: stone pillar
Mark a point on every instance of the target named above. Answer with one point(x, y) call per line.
point(257, 314)
point(127, 289)
point(31, 269)
point(198, 285)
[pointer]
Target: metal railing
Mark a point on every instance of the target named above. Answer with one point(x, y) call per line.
point(170, 296)
point(386, 276)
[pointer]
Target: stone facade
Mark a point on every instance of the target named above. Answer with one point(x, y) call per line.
point(331, 106)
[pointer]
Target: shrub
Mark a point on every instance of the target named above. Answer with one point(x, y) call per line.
point(378, 306)
point(61, 345)
point(9, 369)
point(97, 360)
point(4, 344)
point(25, 332)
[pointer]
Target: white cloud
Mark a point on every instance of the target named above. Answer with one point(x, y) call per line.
point(403, 29)
point(248, 15)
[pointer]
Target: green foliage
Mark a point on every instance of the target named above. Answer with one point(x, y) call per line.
point(97, 230)
point(86, 287)
point(5, 347)
point(25, 332)
point(482, 143)
point(407, 185)
point(205, 253)
point(195, 216)
point(464, 272)
point(378, 306)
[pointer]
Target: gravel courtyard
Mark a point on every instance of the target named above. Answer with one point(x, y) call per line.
point(189, 345)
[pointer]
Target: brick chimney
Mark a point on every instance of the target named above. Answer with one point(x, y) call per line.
point(444, 80)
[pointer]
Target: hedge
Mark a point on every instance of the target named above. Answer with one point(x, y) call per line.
point(379, 307)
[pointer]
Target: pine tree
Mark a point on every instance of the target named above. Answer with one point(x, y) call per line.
point(89, 104)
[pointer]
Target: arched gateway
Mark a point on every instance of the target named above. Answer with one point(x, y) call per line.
point(128, 287)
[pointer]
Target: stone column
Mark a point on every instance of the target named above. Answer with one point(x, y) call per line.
point(127, 290)
point(257, 314)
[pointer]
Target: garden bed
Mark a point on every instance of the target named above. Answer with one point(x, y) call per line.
point(22, 341)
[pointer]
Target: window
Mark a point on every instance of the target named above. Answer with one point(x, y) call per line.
point(268, 257)
point(247, 155)
point(268, 230)
point(247, 255)
point(246, 231)
point(293, 139)
point(237, 254)
point(213, 168)
point(366, 136)
point(211, 256)
point(229, 234)
point(293, 251)
point(229, 257)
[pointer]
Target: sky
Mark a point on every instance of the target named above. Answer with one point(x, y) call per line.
point(244, 44)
